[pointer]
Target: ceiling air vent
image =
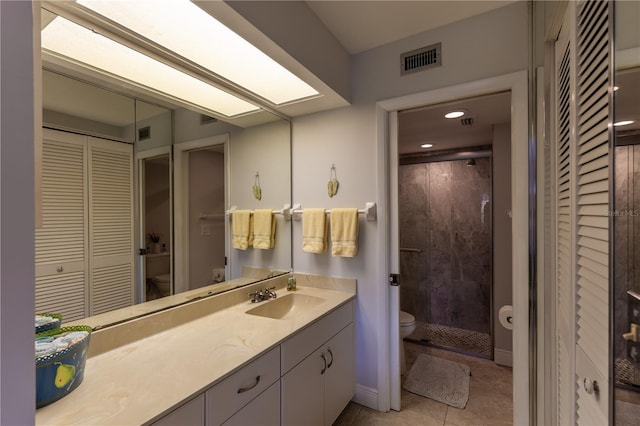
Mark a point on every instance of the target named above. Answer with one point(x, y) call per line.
point(421, 59)
point(466, 121)
point(144, 133)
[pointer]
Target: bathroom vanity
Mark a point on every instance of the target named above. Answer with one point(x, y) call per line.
point(224, 360)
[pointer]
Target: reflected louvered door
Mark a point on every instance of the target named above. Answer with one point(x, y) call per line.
point(592, 240)
point(110, 225)
point(564, 201)
point(60, 244)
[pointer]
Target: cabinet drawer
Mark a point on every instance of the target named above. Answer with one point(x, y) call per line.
point(262, 411)
point(237, 390)
point(299, 346)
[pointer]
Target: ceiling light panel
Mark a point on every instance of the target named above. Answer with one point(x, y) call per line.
point(187, 30)
point(73, 41)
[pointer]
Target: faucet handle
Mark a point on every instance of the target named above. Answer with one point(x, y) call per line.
point(255, 296)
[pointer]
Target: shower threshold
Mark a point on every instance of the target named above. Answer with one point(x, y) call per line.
point(453, 339)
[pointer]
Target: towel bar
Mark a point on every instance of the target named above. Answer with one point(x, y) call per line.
point(369, 211)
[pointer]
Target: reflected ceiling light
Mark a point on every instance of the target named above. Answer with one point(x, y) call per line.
point(186, 29)
point(80, 44)
point(616, 88)
point(623, 123)
point(455, 114)
point(426, 145)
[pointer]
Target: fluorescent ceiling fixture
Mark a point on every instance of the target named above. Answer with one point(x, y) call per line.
point(426, 145)
point(187, 30)
point(454, 114)
point(80, 44)
point(623, 123)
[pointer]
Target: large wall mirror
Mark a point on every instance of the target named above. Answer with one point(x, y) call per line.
point(626, 298)
point(137, 191)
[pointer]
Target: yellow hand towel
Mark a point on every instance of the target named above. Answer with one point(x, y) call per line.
point(344, 232)
point(264, 229)
point(314, 230)
point(241, 229)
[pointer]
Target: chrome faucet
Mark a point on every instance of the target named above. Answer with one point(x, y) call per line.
point(262, 294)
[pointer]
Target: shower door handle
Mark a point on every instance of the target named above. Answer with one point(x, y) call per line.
point(394, 279)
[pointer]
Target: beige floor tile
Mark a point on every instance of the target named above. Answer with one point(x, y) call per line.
point(490, 398)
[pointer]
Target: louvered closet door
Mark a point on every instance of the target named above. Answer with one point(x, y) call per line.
point(592, 198)
point(582, 79)
point(60, 245)
point(565, 159)
point(110, 225)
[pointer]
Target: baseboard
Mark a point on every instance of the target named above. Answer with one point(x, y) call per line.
point(366, 396)
point(502, 357)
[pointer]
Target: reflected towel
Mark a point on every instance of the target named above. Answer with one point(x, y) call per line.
point(264, 229)
point(344, 232)
point(314, 230)
point(241, 229)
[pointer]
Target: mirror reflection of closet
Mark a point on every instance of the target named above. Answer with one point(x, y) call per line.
point(626, 308)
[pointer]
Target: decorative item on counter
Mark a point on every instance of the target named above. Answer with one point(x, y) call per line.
point(61, 355)
point(257, 191)
point(154, 239)
point(291, 282)
point(47, 321)
point(332, 186)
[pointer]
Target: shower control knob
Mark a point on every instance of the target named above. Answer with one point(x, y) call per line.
point(591, 386)
point(60, 269)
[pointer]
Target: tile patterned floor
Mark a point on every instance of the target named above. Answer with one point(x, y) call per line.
point(457, 339)
point(490, 398)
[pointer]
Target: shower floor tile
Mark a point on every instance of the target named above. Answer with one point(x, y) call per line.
point(457, 339)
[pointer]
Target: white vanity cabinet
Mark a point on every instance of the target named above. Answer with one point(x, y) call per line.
point(189, 414)
point(306, 380)
point(240, 397)
point(316, 389)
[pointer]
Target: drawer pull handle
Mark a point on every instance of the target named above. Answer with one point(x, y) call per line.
point(324, 368)
point(330, 362)
point(248, 388)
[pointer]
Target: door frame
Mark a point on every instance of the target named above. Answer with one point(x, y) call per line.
point(139, 264)
point(387, 153)
point(181, 205)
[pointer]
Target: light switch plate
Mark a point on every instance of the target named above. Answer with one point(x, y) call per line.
point(205, 229)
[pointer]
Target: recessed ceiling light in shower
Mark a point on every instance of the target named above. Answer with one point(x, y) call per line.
point(455, 114)
point(623, 123)
point(426, 145)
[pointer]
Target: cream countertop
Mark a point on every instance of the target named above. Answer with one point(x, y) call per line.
point(141, 381)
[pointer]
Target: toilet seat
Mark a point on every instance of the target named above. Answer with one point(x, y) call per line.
point(406, 319)
point(163, 282)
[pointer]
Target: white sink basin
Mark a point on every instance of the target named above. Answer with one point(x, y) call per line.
point(286, 307)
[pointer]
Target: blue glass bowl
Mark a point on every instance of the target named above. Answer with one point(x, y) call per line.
point(59, 374)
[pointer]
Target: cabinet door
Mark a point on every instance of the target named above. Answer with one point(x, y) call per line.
point(262, 411)
point(303, 392)
point(340, 375)
point(190, 414)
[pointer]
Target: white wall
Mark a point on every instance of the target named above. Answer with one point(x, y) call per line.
point(491, 44)
point(502, 271)
point(17, 372)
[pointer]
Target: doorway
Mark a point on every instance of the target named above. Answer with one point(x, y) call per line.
point(387, 118)
point(200, 199)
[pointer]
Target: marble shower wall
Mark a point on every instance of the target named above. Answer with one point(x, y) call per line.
point(445, 211)
point(627, 238)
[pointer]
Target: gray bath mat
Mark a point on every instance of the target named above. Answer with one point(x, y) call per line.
point(440, 379)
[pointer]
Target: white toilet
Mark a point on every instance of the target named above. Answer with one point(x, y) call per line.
point(407, 326)
point(163, 282)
